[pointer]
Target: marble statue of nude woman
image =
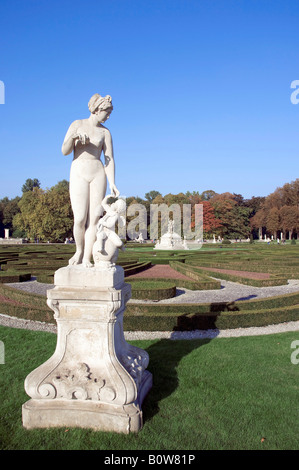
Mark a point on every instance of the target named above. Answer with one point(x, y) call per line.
point(88, 138)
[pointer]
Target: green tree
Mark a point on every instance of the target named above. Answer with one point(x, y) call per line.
point(150, 196)
point(57, 220)
point(234, 218)
point(254, 204)
point(30, 184)
point(46, 215)
point(207, 195)
point(28, 220)
point(8, 209)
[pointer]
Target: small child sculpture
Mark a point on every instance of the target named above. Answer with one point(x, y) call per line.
point(108, 242)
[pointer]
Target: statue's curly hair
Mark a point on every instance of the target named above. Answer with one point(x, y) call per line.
point(99, 102)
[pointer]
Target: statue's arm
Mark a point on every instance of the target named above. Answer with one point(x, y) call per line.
point(109, 162)
point(104, 204)
point(70, 137)
point(110, 221)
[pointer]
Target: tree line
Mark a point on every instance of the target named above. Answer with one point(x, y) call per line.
point(279, 213)
point(46, 214)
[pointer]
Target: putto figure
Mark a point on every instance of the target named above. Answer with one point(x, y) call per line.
point(88, 138)
point(108, 242)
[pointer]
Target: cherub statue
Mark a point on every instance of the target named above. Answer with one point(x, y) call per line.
point(108, 242)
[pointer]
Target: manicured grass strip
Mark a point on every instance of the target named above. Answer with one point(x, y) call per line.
point(187, 284)
point(220, 394)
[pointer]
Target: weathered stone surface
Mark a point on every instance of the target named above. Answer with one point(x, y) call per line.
point(95, 378)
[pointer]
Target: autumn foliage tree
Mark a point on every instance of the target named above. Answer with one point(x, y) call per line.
point(47, 214)
point(279, 212)
point(211, 225)
point(289, 218)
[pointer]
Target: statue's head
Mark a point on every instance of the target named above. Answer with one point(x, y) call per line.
point(119, 205)
point(100, 103)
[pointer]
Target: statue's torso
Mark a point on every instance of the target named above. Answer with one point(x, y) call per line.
point(93, 148)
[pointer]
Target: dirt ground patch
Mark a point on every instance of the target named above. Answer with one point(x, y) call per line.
point(11, 301)
point(248, 274)
point(161, 271)
point(165, 271)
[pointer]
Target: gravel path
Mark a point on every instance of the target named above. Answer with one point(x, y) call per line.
point(14, 322)
point(229, 292)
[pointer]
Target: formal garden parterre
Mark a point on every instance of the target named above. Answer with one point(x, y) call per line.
point(159, 276)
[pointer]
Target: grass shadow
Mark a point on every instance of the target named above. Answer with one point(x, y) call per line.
point(163, 364)
point(249, 297)
point(204, 321)
point(223, 307)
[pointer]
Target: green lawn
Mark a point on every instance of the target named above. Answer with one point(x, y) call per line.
point(229, 393)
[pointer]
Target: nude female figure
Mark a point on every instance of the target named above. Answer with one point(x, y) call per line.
point(87, 138)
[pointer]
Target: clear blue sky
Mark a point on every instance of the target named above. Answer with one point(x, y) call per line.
point(201, 91)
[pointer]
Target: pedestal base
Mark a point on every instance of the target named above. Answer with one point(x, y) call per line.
point(95, 379)
point(86, 414)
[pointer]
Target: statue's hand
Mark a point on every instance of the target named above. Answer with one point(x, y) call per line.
point(82, 138)
point(114, 191)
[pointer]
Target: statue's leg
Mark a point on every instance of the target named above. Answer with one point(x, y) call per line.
point(79, 194)
point(97, 191)
point(115, 239)
point(100, 239)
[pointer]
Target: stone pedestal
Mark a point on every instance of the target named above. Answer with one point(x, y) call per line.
point(94, 379)
point(170, 241)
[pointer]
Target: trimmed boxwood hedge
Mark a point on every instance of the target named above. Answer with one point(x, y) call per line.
point(224, 315)
point(203, 282)
point(152, 289)
point(178, 320)
point(282, 264)
point(171, 317)
point(185, 283)
point(274, 280)
point(135, 268)
point(6, 277)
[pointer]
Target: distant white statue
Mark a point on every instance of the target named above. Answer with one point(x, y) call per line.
point(140, 238)
point(88, 138)
point(185, 245)
point(171, 240)
point(170, 226)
